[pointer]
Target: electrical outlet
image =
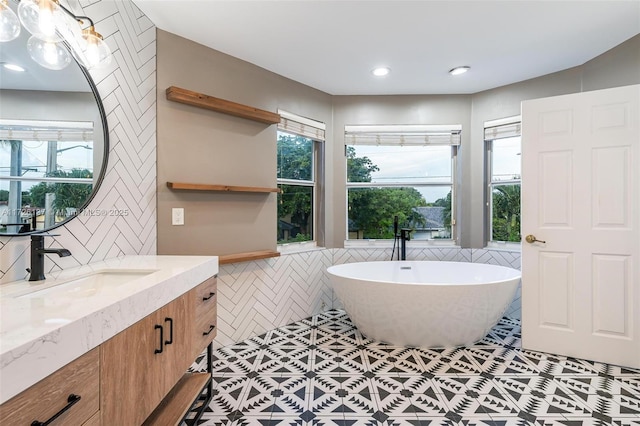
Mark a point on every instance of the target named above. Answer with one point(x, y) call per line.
point(177, 216)
point(323, 305)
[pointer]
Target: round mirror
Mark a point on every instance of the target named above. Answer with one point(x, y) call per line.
point(53, 140)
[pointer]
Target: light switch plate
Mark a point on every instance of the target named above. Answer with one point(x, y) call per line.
point(177, 216)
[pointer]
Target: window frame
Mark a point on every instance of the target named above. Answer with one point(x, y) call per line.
point(452, 183)
point(48, 134)
point(503, 128)
point(313, 130)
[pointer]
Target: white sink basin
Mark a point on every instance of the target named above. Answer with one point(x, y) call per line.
point(87, 285)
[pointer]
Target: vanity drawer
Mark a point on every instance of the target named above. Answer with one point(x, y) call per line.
point(55, 393)
point(206, 294)
point(206, 300)
point(95, 420)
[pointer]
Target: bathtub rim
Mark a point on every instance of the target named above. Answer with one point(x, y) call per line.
point(517, 273)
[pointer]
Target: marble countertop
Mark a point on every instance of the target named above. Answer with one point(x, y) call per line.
point(45, 325)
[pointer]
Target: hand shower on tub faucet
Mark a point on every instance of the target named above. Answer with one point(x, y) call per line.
point(395, 237)
point(37, 255)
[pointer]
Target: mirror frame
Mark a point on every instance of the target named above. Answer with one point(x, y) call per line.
point(105, 158)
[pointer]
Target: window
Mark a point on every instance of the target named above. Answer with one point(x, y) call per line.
point(403, 171)
point(299, 162)
point(503, 195)
point(46, 172)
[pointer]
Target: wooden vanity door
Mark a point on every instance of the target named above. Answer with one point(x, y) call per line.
point(177, 354)
point(138, 369)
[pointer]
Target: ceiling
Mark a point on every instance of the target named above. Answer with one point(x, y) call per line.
point(35, 77)
point(333, 45)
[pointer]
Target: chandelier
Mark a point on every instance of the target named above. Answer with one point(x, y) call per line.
point(52, 26)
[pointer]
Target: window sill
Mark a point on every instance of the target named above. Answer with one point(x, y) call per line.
point(504, 246)
point(291, 248)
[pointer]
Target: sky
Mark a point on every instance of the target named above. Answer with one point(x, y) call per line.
point(35, 156)
point(506, 159)
point(428, 164)
point(412, 165)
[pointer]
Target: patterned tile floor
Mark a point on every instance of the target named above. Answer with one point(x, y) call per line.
point(322, 371)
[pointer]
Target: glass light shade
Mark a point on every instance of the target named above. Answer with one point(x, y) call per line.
point(40, 17)
point(68, 27)
point(93, 52)
point(53, 56)
point(9, 23)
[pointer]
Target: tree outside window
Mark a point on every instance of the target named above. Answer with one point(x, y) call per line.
point(40, 205)
point(505, 189)
point(413, 183)
point(297, 183)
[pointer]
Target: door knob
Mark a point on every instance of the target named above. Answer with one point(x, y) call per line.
point(532, 239)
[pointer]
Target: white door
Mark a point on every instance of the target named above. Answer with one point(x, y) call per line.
point(581, 197)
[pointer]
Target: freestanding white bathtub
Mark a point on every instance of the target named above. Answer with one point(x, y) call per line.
point(423, 303)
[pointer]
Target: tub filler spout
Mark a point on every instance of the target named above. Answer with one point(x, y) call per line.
point(405, 235)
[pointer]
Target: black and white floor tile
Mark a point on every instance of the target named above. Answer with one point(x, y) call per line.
point(323, 371)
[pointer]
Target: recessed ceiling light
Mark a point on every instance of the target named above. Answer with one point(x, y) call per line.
point(459, 70)
point(13, 67)
point(381, 71)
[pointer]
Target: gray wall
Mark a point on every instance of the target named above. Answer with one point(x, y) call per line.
point(619, 66)
point(203, 146)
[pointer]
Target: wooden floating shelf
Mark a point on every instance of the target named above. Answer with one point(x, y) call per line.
point(245, 257)
point(189, 97)
point(224, 188)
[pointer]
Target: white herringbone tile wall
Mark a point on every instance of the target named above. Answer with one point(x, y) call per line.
point(128, 91)
point(258, 296)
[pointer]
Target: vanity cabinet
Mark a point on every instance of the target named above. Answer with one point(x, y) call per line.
point(137, 377)
point(72, 392)
point(144, 334)
point(140, 365)
point(205, 306)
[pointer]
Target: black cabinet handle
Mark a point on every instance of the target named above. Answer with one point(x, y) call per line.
point(211, 294)
point(206, 333)
point(71, 400)
point(159, 351)
point(170, 341)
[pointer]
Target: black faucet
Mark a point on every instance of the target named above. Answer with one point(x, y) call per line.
point(404, 237)
point(37, 256)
